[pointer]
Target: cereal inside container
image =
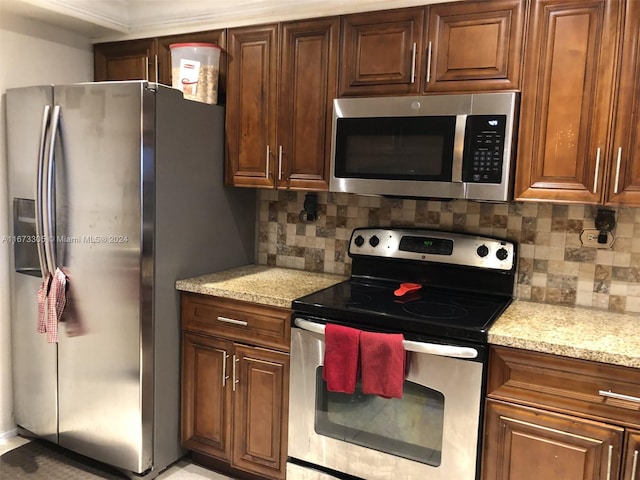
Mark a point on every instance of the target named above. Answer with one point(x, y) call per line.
point(194, 70)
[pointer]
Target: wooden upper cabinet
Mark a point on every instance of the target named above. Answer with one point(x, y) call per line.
point(382, 52)
point(217, 37)
point(529, 444)
point(150, 58)
point(474, 46)
point(567, 99)
point(131, 60)
point(624, 184)
point(308, 84)
point(251, 105)
point(285, 144)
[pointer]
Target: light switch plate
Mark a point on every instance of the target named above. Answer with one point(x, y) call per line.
point(589, 238)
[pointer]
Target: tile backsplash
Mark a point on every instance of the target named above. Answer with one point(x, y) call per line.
point(553, 266)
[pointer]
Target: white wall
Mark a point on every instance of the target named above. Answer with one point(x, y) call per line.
point(31, 53)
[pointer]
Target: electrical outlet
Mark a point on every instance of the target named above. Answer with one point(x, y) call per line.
point(589, 238)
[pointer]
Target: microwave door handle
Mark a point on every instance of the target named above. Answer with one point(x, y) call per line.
point(417, 347)
point(458, 148)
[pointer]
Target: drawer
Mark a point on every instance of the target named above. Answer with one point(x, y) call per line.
point(596, 390)
point(247, 322)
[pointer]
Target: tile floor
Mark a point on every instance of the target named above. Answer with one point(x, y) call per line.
point(181, 470)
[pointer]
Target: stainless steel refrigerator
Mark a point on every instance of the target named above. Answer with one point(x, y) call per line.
point(124, 183)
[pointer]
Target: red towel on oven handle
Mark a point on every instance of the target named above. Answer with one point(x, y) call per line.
point(340, 368)
point(382, 364)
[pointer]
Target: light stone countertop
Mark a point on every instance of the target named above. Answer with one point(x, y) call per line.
point(273, 286)
point(584, 333)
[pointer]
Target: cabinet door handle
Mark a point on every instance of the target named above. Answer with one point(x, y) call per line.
point(413, 63)
point(610, 456)
point(146, 66)
point(280, 162)
point(634, 467)
point(235, 380)
point(429, 62)
point(595, 177)
point(266, 173)
point(233, 321)
point(224, 368)
point(618, 396)
point(157, 70)
point(615, 190)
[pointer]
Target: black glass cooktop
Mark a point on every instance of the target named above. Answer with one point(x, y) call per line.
point(427, 311)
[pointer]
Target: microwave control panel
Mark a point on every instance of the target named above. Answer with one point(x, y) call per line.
point(484, 148)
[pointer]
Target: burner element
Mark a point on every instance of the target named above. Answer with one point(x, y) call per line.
point(434, 310)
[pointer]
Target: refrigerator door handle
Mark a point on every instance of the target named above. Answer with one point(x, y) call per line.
point(50, 199)
point(40, 233)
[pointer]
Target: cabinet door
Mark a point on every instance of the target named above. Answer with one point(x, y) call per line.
point(566, 100)
point(251, 105)
point(382, 52)
point(630, 465)
point(624, 186)
point(475, 46)
point(206, 395)
point(130, 60)
point(528, 444)
point(308, 85)
point(260, 411)
point(217, 37)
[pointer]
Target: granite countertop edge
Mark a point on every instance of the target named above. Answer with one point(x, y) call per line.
point(576, 332)
point(273, 286)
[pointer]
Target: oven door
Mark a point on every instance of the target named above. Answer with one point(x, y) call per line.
point(429, 434)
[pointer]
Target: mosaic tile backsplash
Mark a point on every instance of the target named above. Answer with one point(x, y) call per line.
point(553, 267)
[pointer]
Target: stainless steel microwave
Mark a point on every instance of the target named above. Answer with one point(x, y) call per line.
point(433, 146)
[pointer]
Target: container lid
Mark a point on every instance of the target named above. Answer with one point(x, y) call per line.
point(180, 45)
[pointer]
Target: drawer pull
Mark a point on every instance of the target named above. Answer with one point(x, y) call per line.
point(242, 323)
point(618, 396)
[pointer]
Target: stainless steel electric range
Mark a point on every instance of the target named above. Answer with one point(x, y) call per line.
point(442, 291)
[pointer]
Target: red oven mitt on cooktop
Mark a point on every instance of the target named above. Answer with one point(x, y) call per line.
point(340, 358)
point(382, 363)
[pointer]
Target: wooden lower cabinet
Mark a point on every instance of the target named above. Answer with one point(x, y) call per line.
point(524, 443)
point(206, 400)
point(558, 418)
point(235, 403)
point(261, 401)
point(235, 385)
point(631, 462)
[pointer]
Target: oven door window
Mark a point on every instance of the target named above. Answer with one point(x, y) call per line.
point(395, 148)
point(410, 427)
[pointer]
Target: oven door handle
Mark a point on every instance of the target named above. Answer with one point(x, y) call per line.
point(410, 346)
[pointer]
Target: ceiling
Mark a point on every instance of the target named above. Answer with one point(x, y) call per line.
point(103, 20)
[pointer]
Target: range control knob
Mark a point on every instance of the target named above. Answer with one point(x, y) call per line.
point(359, 241)
point(502, 254)
point(374, 241)
point(482, 251)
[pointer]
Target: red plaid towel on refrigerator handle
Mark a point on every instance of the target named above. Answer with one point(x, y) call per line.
point(51, 302)
point(43, 291)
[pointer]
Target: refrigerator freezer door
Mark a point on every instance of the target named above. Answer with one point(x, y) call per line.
point(102, 156)
point(34, 360)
